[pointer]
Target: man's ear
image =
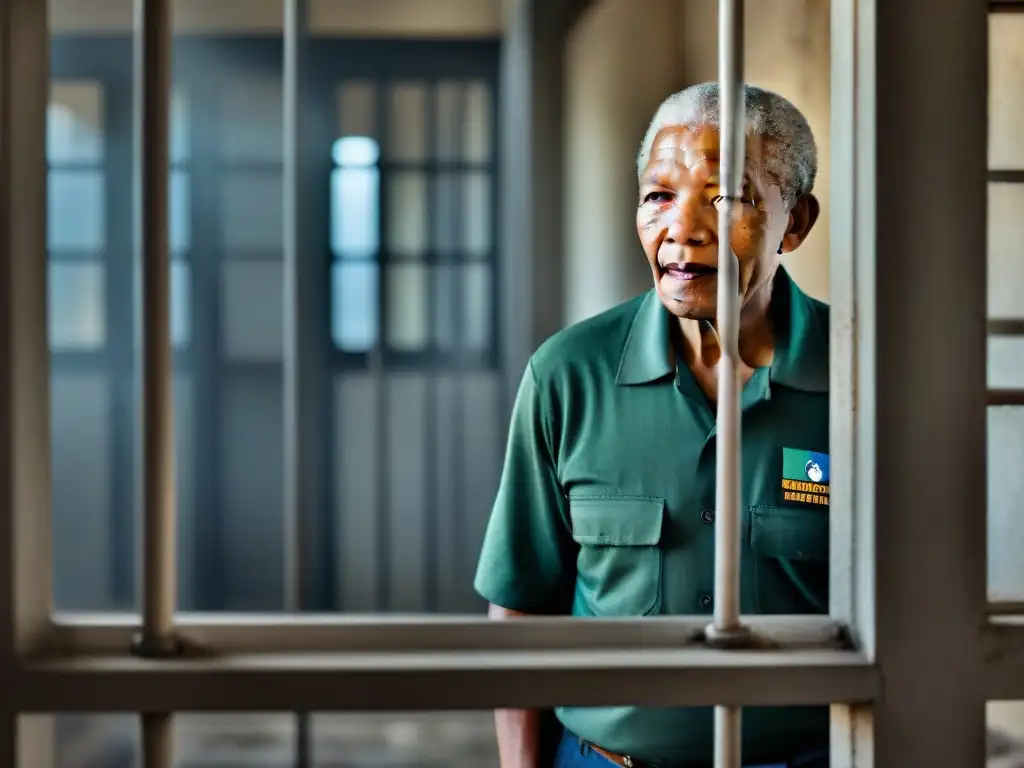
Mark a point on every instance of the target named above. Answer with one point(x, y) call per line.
point(801, 220)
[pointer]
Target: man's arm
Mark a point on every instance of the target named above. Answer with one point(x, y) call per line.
point(518, 729)
point(528, 558)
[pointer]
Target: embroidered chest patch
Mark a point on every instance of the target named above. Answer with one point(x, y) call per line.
point(805, 476)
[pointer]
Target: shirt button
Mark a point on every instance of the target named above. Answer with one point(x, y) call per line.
point(705, 601)
point(707, 516)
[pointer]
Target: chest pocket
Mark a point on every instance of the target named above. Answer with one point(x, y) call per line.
point(618, 572)
point(791, 559)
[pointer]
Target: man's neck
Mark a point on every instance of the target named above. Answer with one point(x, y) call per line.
point(701, 345)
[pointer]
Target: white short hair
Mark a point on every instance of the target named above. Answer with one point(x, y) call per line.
point(791, 155)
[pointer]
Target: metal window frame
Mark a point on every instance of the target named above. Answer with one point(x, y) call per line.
point(1006, 326)
point(909, 650)
point(1012, 327)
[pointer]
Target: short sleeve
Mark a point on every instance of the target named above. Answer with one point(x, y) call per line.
point(528, 560)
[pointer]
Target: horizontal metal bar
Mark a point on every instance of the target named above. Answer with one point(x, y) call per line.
point(427, 680)
point(1004, 655)
point(1005, 397)
point(1005, 636)
point(1006, 327)
point(1006, 6)
point(1006, 175)
point(1006, 608)
point(205, 634)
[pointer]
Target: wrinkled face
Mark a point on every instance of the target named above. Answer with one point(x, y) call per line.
point(677, 220)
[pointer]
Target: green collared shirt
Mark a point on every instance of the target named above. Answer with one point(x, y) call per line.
point(607, 501)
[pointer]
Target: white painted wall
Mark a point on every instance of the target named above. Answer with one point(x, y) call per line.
point(620, 65)
point(391, 18)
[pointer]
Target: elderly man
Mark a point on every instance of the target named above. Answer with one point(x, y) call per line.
point(606, 501)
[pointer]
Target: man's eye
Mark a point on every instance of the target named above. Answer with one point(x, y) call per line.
point(746, 195)
point(744, 200)
point(657, 197)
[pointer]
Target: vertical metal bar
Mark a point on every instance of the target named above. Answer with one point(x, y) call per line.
point(9, 738)
point(460, 455)
point(25, 487)
point(25, 513)
point(433, 451)
point(152, 120)
point(845, 527)
point(377, 357)
point(296, 361)
point(153, 34)
point(727, 521)
point(728, 745)
point(726, 626)
point(851, 739)
point(906, 280)
point(295, 496)
point(382, 419)
point(157, 747)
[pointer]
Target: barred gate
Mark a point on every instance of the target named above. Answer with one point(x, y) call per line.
point(411, 404)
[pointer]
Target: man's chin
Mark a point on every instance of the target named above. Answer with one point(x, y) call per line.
point(688, 307)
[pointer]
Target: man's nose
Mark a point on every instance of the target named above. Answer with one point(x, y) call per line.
point(690, 223)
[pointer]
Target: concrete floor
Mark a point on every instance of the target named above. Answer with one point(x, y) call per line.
point(392, 740)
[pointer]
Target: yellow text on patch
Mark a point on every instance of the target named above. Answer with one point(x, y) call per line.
point(798, 485)
point(805, 498)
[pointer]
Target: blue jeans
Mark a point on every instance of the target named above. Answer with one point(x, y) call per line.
point(572, 753)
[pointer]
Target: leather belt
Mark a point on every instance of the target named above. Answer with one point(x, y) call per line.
point(624, 760)
point(632, 762)
point(811, 760)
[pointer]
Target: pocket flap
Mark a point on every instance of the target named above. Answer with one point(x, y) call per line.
point(630, 521)
point(789, 534)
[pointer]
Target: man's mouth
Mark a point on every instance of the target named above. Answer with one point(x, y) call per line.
point(688, 271)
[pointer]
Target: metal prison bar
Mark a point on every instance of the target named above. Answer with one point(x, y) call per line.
point(154, 29)
point(726, 628)
point(297, 360)
point(153, 35)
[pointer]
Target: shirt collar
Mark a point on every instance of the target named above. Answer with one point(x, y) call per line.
point(801, 337)
point(647, 353)
point(801, 340)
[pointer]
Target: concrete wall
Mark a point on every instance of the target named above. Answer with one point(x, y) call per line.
point(392, 18)
point(620, 65)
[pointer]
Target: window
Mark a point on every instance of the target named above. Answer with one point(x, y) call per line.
point(91, 276)
point(420, 203)
point(355, 221)
point(908, 648)
point(1005, 308)
point(414, 392)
